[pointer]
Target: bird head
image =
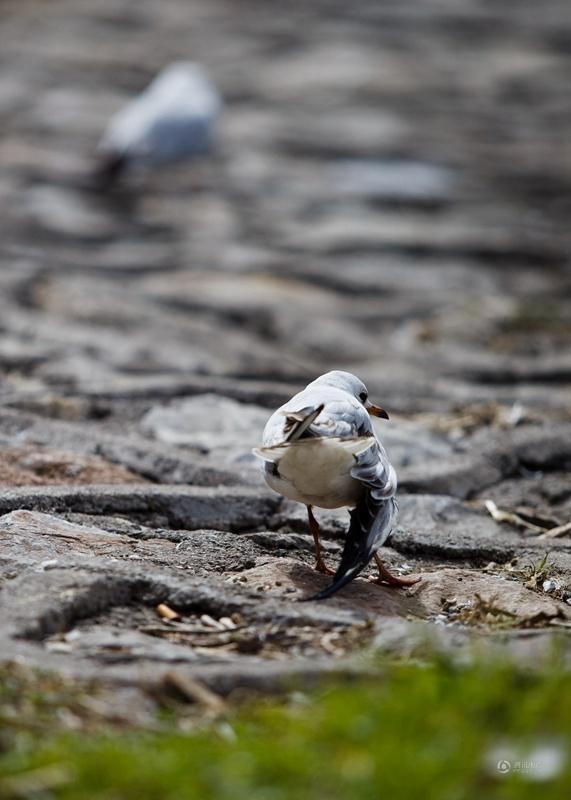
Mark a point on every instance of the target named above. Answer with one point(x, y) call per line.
point(350, 383)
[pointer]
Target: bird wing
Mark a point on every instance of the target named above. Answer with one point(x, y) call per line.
point(371, 520)
point(299, 427)
point(338, 418)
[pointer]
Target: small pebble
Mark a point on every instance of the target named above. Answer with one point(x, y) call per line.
point(549, 586)
point(166, 612)
point(50, 563)
point(58, 647)
point(206, 619)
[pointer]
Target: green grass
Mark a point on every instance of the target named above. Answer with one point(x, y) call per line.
point(414, 731)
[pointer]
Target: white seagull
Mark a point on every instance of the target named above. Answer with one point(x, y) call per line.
point(172, 119)
point(320, 449)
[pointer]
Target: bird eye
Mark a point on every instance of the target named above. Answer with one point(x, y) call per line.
point(363, 397)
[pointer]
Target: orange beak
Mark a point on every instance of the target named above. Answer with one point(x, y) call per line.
point(376, 411)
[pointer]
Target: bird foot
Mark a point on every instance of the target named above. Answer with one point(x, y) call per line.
point(320, 566)
point(393, 580)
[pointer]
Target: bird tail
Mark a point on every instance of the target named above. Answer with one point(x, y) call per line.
point(109, 169)
point(370, 525)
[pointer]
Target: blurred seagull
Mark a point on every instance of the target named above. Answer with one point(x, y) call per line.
point(321, 449)
point(171, 120)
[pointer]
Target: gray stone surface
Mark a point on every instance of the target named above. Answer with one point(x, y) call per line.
point(390, 196)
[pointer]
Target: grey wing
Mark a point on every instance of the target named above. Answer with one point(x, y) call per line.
point(342, 419)
point(337, 418)
point(177, 136)
point(374, 470)
point(374, 516)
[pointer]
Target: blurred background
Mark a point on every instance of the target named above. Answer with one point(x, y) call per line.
point(390, 194)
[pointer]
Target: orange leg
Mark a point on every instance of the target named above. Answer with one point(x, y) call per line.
point(387, 577)
point(320, 565)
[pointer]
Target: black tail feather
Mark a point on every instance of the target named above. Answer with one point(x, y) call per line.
point(369, 521)
point(109, 170)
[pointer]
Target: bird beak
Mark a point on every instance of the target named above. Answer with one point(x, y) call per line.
point(376, 411)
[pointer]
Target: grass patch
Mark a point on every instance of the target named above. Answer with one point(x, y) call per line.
point(481, 612)
point(436, 731)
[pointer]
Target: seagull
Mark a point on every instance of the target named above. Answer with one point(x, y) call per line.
point(171, 120)
point(320, 449)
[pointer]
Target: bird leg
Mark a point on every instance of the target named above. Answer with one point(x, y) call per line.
point(387, 577)
point(320, 565)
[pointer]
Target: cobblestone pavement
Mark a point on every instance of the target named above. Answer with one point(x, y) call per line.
point(392, 196)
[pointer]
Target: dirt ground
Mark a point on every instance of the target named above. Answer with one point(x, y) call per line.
point(391, 195)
